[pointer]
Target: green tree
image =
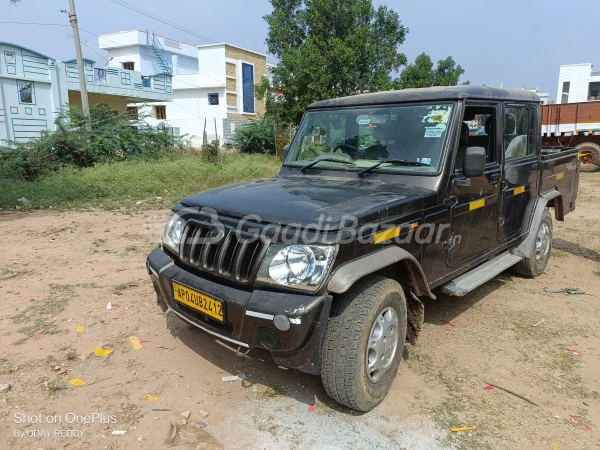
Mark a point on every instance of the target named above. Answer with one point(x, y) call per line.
point(329, 48)
point(422, 73)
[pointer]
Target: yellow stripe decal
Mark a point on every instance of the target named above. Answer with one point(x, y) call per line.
point(581, 155)
point(519, 190)
point(476, 204)
point(560, 176)
point(386, 235)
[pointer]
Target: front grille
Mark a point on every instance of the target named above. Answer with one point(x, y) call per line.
point(236, 256)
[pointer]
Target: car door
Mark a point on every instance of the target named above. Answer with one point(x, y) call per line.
point(520, 162)
point(474, 203)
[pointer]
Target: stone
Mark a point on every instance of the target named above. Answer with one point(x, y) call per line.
point(139, 439)
point(5, 386)
point(203, 414)
point(186, 414)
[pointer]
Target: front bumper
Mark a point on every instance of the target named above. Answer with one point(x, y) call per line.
point(249, 315)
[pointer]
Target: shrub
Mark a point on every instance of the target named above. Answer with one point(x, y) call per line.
point(255, 136)
point(82, 143)
point(210, 152)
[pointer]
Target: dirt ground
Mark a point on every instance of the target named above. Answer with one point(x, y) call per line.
point(58, 271)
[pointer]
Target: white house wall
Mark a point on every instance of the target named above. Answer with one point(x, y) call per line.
point(212, 63)
point(579, 77)
point(187, 112)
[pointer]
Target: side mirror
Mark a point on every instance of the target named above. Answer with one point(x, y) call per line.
point(286, 149)
point(474, 162)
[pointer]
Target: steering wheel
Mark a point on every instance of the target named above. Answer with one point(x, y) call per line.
point(351, 150)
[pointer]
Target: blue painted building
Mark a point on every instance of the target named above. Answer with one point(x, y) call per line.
point(34, 86)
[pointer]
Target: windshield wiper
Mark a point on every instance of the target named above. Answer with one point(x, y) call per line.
point(314, 163)
point(394, 162)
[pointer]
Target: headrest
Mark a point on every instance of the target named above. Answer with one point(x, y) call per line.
point(489, 125)
point(509, 124)
point(392, 131)
point(464, 134)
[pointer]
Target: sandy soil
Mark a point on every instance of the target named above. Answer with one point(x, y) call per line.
point(60, 270)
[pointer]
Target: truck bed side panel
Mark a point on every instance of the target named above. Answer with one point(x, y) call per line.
point(560, 171)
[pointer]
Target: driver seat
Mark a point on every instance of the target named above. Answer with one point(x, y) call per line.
point(392, 137)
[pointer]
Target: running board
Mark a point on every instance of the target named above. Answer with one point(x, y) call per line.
point(481, 274)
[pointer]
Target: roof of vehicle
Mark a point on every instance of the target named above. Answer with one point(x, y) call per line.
point(429, 94)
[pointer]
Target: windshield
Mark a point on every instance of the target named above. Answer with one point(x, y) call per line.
point(361, 137)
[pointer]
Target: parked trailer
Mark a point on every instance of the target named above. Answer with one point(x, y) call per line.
point(573, 125)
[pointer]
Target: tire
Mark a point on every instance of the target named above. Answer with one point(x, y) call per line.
point(536, 261)
point(589, 147)
point(351, 327)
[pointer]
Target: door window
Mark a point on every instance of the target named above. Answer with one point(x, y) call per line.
point(519, 132)
point(478, 129)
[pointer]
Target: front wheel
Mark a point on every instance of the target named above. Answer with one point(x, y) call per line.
point(365, 341)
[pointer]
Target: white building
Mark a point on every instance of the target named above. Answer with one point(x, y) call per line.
point(212, 84)
point(578, 83)
point(33, 88)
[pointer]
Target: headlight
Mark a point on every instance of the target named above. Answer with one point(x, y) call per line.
point(173, 232)
point(304, 266)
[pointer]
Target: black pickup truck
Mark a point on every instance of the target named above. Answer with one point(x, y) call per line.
point(383, 198)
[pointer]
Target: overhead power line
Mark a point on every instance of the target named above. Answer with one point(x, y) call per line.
point(37, 23)
point(161, 19)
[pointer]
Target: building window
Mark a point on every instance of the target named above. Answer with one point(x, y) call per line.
point(88, 66)
point(565, 92)
point(248, 84)
point(128, 65)
point(125, 78)
point(42, 111)
point(146, 82)
point(160, 112)
point(99, 74)
point(133, 112)
point(10, 57)
point(26, 94)
point(594, 91)
point(213, 99)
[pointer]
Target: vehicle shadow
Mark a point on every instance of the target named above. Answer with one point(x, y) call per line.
point(576, 249)
point(447, 308)
point(260, 369)
point(258, 366)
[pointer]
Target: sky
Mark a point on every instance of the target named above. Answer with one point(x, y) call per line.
point(514, 43)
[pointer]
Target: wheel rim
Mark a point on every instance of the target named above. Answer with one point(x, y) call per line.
point(383, 343)
point(542, 242)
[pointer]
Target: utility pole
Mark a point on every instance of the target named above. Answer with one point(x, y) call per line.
point(81, 68)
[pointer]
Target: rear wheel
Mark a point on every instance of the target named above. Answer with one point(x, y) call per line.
point(364, 344)
point(536, 261)
point(590, 150)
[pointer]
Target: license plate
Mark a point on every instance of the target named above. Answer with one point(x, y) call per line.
point(200, 302)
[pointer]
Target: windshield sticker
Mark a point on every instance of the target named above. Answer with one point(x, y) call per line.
point(424, 160)
point(364, 121)
point(441, 114)
point(435, 132)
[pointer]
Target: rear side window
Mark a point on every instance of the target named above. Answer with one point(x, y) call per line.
point(519, 128)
